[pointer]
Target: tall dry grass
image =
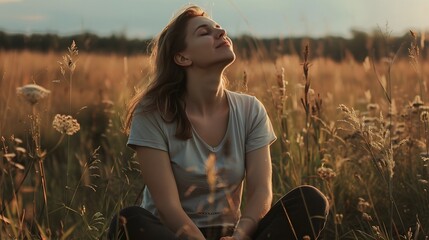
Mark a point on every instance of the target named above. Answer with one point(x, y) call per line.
point(356, 130)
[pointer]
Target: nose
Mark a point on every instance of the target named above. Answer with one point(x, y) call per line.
point(221, 33)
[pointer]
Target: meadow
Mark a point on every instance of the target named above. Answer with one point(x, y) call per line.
point(359, 131)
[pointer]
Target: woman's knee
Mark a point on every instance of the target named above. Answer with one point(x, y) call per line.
point(313, 199)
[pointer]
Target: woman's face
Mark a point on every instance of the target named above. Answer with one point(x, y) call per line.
point(207, 44)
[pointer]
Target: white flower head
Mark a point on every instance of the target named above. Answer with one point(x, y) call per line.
point(65, 124)
point(32, 93)
point(326, 173)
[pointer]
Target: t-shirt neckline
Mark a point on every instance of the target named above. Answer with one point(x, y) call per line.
point(215, 149)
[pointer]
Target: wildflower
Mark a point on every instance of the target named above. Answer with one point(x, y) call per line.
point(32, 93)
point(65, 124)
point(325, 173)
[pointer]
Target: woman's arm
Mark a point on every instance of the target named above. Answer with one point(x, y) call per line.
point(158, 177)
point(258, 191)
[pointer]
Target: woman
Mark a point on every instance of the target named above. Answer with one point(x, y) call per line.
point(196, 142)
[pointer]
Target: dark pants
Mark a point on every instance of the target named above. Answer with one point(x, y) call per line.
point(302, 211)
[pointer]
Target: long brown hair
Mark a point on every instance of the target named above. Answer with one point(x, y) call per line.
point(165, 92)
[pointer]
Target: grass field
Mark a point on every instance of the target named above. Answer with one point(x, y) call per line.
point(357, 130)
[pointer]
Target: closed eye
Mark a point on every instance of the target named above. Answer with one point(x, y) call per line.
point(204, 31)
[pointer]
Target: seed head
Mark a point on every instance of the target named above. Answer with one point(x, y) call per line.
point(338, 218)
point(245, 82)
point(32, 93)
point(281, 82)
point(325, 173)
point(65, 124)
point(377, 230)
point(366, 217)
point(423, 181)
point(363, 205)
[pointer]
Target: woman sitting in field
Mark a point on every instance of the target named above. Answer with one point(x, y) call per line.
point(197, 141)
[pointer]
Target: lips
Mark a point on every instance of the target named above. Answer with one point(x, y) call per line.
point(223, 43)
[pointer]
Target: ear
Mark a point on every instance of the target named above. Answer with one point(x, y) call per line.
point(182, 60)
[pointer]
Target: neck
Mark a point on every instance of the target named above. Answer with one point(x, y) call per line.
point(204, 92)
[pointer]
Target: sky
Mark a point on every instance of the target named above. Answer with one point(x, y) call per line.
point(261, 18)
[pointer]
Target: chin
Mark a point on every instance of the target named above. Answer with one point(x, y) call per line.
point(229, 59)
point(222, 61)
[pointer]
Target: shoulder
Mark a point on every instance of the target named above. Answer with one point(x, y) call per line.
point(244, 102)
point(241, 99)
point(144, 113)
point(146, 107)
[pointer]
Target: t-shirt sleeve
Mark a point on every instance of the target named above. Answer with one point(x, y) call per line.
point(147, 131)
point(260, 131)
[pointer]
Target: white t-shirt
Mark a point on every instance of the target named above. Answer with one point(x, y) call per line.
point(249, 128)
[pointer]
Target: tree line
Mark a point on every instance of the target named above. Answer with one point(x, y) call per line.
point(376, 45)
